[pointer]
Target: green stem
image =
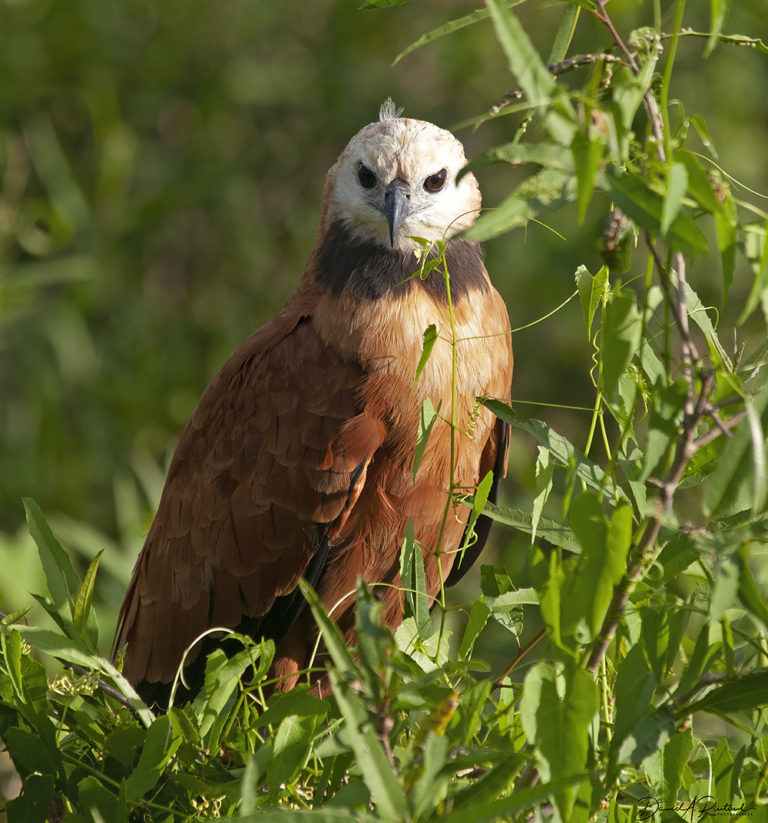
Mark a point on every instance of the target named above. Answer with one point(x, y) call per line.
point(667, 77)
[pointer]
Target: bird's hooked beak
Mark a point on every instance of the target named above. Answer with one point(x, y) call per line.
point(396, 197)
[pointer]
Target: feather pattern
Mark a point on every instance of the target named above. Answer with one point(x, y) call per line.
point(298, 459)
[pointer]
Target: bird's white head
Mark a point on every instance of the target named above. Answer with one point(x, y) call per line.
point(397, 179)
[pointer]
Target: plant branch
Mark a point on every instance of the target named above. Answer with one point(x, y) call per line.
point(650, 100)
point(557, 69)
point(520, 655)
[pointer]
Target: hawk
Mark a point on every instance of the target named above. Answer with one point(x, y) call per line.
point(298, 458)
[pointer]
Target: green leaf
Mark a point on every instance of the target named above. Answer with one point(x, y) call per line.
point(542, 192)
point(479, 615)
point(297, 701)
point(676, 754)
point(159, 747)
point(63, 580)
point(532, 74)
point(549, 155)
point(427, 419)
point(495, 810)
point(324, 815)
point(383, 4)
point(332, 637)
point(291, 750)
point(741, 466)
point(479, 503)
point(546, 529)
point(424, 794)
point(724, 588)
point(644, 206)
point(414, 579)
point(741, 695)
point(677, 185)
point(699, 313)
point(750, 595)
point(760, 281)
point(491, 784)
point(430, 335)
point(705, 653)
point(513, 211)
point(82, 616)
point(666, 415)
point(370, 757)
point(633, 691)
point(557, 724)
point(587, 155)
point(222, 677)
point(699, 184)
point(375, 642)
point(446, 28)
point(558, 446)
point(592, 291)
point(29, 752)
point(11, 646)
point(34, 803)
point(565, 31)
point(544, 471)
point(619, 340)
point(547, 577)
point(604, 545)
point(718, 12)
point(96, 798)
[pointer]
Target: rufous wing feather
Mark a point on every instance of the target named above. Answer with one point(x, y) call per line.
point(268, 467)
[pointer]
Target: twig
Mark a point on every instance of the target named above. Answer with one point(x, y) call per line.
point(557, 69)
point(650, 100)
point(520, 655)
point(708, 679)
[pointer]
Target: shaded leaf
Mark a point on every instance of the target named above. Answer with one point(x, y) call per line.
point(587, 155)
point(644, 206)
point(160, 745)
point(63, 580)
point(620, 339)
point(479, 615)
point(34, 803)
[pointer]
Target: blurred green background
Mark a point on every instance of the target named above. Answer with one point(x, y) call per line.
point(161, 167)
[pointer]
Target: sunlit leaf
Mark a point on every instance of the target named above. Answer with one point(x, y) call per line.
point(587, 155)
point(430, 335)
point(592, 291)
point(427, 420)
point(677, 185)
point(533, 76)
point(447, 28)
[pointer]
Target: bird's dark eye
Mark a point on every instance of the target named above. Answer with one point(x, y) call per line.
point(366, 177)
point(435, 182)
